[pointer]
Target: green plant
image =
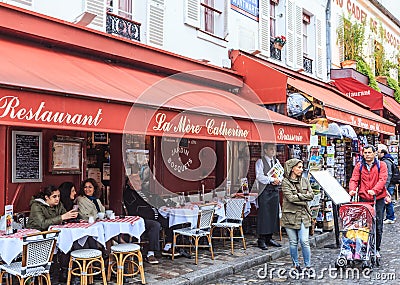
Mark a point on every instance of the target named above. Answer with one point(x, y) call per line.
point(392, 83)
point(350, 36)
point(365, 69)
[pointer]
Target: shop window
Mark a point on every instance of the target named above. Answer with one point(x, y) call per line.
point(238, 163)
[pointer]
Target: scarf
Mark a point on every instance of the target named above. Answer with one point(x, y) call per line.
point(94, 200)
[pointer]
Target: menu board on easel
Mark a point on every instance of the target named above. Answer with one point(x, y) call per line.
point(26, 156)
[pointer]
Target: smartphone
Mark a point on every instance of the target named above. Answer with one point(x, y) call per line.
point(75, 208)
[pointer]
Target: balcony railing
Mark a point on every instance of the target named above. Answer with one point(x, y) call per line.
point(123, 27)
point(307, 64)
point(275, 53)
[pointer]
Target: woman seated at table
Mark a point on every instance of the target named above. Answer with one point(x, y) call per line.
point(88, 202)
point(67, 197)
point(46, 210)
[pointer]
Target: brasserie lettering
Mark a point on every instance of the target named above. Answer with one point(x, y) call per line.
point(10, 107)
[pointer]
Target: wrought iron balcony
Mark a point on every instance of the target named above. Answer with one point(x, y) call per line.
point(275, 53)
point(123, 27)
point(307, 64)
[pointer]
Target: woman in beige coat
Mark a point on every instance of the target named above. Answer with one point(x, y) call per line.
point(296, 215)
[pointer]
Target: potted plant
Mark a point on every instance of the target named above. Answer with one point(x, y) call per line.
point(279, 42)
point(350, 37)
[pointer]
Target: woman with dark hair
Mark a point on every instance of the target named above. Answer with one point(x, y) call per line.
point(46, 210)
point(67, 194)
point(88, 201)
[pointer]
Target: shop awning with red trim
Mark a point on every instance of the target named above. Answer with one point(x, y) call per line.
point(361, 92)
point(46, 88)
point(391, 105)
point(340, 109)
point(266, 82)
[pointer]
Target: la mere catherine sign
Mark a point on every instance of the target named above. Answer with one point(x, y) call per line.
point(55, 111)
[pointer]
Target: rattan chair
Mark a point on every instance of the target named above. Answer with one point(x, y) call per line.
point(204, 221)
point(85, 261)
point(37, 254)
point(233, 220)
point(127, 253)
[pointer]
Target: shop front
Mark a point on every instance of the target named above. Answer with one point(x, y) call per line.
point(71, 109)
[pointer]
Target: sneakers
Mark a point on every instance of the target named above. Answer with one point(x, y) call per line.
point(152, 259)
point(169, 253)
point(378, 255)
point(357, 256)
point(387, 221)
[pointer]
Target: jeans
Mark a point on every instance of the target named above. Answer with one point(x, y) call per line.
point(389, 207)
point(294, 237)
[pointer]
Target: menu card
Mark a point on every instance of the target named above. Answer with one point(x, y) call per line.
point(8, 213)
point(276, 171)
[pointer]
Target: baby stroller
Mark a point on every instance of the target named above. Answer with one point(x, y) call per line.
point(357, 235)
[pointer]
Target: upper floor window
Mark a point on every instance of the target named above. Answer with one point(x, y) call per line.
point(211, 15)
point(306, 23)
point(121, 8)
point(272, 18)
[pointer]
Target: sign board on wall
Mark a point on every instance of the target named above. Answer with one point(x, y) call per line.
point(26, 157)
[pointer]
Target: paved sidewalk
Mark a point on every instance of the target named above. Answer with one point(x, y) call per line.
point(183, 271)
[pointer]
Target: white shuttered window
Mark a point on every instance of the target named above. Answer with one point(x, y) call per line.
point(264, 27)
point(155, 28)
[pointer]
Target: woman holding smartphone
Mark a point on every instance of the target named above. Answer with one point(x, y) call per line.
point(67, 196)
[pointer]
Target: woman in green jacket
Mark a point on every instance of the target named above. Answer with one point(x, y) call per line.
point(296, 215)
point(46, 210)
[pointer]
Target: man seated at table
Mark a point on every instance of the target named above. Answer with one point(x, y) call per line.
point(137, 204)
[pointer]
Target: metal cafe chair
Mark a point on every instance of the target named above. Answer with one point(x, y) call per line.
point(37, 254)
point(204, 221)
point(233, 220)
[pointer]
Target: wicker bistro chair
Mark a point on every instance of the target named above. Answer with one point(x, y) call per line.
point(37, 254)
point(234, 209)
point(204, 221)
point(121, 254)
point(85, 259)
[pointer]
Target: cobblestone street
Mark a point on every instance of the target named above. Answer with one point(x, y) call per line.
point(323, 260)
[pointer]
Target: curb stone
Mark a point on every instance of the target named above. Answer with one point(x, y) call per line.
point(218, 271)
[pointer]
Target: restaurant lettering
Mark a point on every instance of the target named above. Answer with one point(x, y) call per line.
point(359, 93)
point(186, 126)
point(10, 107)
point(288, 137)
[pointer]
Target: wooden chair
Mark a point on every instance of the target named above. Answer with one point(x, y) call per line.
point(122, 254)
point(37, 254)
point(233, 220)
point(204, 221)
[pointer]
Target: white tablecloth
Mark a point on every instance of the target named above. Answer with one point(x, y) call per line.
point(134, 226)
point(11, 245)
point(78, 232)
point(188, 213)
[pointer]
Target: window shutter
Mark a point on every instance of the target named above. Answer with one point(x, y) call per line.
point(156, 23)
point(340, 43)
point(290, 33)
point(370, 58)
point(264, 29)
point(192, 13)
point(98, 8)
point(26, 4)
point(319, 52)
point(298, 27)
point(227, 5)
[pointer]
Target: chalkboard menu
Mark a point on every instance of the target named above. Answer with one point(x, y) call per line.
point(26, 156)
point(99, 138)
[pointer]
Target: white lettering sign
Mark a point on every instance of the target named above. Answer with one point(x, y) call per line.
point(356, 121)
point(10, 107)
point(281, 136)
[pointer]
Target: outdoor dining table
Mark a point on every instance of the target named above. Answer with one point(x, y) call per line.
point(188, 213)
point(101, 230)
point(11, 245)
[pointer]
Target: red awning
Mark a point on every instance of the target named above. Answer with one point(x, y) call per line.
point(391, 105)
point(71, 92)
point(361, 92)
point(340, 109)
point(266, 82)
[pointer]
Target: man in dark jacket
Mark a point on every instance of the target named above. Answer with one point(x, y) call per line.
point(140, 203)
point(268, 199)
point(388, 159)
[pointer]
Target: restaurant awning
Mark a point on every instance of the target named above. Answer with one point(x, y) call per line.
point(391, 105)
point(361, 92)
point(340, 109)
point(48, 88)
